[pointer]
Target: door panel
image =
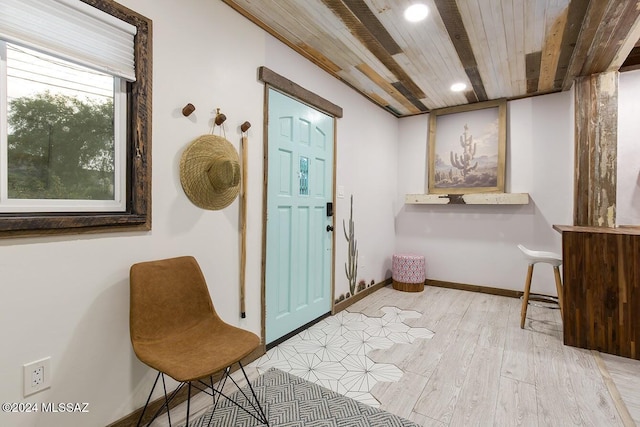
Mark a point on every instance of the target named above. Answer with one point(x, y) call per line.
point(299, 184)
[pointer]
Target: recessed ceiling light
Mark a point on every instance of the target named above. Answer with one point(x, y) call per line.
point(416, 12)
point(458, 87)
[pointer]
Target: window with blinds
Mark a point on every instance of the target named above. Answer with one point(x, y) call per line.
point(69, 87)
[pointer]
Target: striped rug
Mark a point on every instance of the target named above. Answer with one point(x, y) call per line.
point(290, 401)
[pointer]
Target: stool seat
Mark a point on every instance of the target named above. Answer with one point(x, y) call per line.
point(541, 256)
point(534, 257)
point(408, 272)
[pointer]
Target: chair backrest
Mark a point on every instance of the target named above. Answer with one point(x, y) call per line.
point(168, 297)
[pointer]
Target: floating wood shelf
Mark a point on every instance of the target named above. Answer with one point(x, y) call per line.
point(468, 199)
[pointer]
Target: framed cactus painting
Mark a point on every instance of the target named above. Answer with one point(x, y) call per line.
point(467, 148)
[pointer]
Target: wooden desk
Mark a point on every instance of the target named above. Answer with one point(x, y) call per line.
point(601, 276)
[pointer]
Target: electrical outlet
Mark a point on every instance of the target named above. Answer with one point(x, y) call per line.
point(37, 376)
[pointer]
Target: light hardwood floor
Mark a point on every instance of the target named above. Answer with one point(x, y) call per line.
point(481, 369)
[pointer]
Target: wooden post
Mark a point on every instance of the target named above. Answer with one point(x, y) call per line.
point(243, 226)
point(596, 139)
point(243, 218)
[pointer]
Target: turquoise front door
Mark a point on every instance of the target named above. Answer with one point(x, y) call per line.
point(299, 243)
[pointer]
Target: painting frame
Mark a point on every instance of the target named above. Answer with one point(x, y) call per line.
point(457, 173)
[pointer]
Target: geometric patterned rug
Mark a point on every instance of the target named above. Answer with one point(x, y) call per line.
point(290, 401)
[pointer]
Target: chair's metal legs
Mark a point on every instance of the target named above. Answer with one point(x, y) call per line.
point(148, 399)
point(264, 417)
point(166, 400)
point(213, 398)
point(164, 405)
point(188, 404)
point(258, 413)
point(216, 393)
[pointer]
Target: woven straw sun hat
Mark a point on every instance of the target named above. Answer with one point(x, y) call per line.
point(210, 172)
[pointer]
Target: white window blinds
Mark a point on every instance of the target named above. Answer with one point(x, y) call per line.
point(71, 30)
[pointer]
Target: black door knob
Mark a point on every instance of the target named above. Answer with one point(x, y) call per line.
point(329, 228)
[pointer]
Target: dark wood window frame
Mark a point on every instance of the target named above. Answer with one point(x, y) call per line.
point(137, 216)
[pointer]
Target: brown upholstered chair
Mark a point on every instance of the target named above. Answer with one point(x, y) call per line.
point(176, 330)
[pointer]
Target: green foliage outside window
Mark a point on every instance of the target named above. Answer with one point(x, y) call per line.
point(60, 147)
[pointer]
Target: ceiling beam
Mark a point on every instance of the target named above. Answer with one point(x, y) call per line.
point(532, 70)
point(633, 60)
point(589, 26)
point(450, 14)
point(387, 87)
point(362, 33)
point(576, 14)
point(610, 29)
point(631, 39)
point(375, 27)
point(618, 32)
point(407, 94)
point(551, 52)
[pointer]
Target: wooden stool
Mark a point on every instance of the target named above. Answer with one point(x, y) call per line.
point(408, 273)
point(535, 257)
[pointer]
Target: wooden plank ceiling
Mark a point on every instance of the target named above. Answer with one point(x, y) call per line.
point(498, 48)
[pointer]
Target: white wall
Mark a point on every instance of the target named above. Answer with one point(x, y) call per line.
point(68, 297)
point(473, 244)
point(628, 185)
